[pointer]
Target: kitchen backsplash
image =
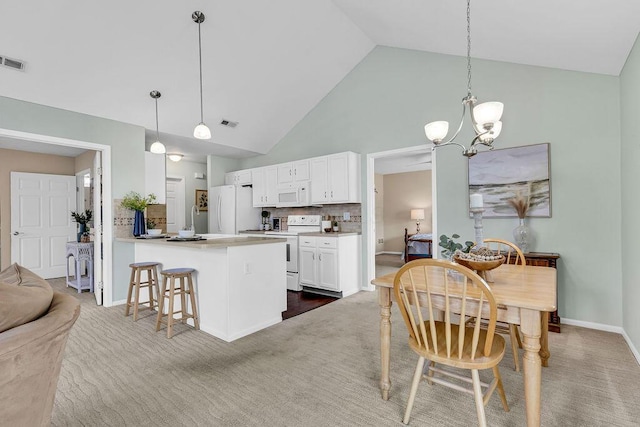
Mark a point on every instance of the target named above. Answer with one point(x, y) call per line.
point(328, 212)
point(123, 218)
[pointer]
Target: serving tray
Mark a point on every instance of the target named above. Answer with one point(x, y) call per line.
point(185, 239)
point(152, 236)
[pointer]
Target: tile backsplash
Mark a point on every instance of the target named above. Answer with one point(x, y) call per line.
point(123, 218)
point(328, 212)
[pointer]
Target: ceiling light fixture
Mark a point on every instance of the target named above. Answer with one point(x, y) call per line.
point(157, 147)
point(175, 157)
point(201, 131)
point(485, 117)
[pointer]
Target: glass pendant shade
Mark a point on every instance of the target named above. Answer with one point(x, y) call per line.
point(202, 132)
point(436, 131)
point(488, 112)
point(157, 148)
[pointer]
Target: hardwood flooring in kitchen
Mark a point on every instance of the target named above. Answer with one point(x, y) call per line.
point(300, 302)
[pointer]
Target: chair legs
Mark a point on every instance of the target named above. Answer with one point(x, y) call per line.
point(414, 388)
point(515, 339)
point(503, 395)
point(477, 393)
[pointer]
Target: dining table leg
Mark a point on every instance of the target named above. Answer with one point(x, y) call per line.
point(531, 330)
point(544, 339)
point(384, 300)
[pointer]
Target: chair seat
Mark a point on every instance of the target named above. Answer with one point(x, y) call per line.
point(177, 271)
point(466, 362)
point(143, 264)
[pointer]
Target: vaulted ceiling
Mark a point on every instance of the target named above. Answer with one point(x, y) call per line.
point(266, 64)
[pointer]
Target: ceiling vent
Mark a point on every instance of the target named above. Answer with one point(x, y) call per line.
point(228, 123)
point(12, 63)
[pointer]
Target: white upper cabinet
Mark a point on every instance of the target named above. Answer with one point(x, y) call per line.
point(335, 178)
point(264, 186)
point(155, 179)
point(242, 177)
point(293, 172)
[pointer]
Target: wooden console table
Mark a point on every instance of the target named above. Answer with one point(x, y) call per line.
point(545, 259)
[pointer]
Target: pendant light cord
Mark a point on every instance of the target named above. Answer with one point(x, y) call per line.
point(157, 131)
point(469, 47)
point(200, 58)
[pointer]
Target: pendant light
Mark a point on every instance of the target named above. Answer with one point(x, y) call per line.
point(201, 131)
point(485, 118)
point(157, 147)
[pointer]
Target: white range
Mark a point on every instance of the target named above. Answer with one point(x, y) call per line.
point(297, 224)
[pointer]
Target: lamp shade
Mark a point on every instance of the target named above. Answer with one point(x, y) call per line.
point(417, 213)
point(495, 132)
point(436, 131)
point(157, 148)
point(175, 157)
point(202, 131)
point(488, 112)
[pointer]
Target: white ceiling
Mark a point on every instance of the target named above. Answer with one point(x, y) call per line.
point(267, 64)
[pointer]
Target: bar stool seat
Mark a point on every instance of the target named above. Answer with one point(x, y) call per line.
point(136, 283)
point(170, 290)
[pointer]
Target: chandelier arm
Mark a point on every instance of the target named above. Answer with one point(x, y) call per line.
point(464, 110)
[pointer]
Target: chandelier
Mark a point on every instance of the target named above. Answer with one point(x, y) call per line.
point(485, 117)
point(201, 131)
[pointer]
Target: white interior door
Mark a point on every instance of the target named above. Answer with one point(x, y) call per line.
point(41, 223)
point(175, 204)
point(96, 183)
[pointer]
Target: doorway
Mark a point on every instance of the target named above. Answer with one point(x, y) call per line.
point(105, 283)
point(399, 161)
point(175, 203)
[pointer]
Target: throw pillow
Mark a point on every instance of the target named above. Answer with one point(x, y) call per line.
point(23, 298)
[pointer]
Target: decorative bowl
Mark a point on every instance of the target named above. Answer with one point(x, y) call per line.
point(186, 233)
point(154, 231)
point(479, 265)
point(328, 229)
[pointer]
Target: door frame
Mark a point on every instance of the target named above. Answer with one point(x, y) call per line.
point(107, 218)
point(183, 188)
point(371, 206)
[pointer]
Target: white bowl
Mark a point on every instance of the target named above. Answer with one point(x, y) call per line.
point(154, 231)
point(186, 233)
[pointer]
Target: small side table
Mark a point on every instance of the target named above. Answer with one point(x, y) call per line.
point(80, 252)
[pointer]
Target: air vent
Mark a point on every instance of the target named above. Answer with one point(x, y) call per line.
point(228, 123)
point(12, 63)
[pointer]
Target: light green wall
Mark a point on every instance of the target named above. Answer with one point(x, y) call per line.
point(217, 167)
point(630, 124)
point(385, 101)
point(127, 156)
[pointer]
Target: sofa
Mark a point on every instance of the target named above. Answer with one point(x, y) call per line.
point(32, 343)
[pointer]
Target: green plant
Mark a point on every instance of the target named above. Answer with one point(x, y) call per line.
point(136, 202)
point(335, 223)
point(151, 224)
point(82, 217)
point(450, 245)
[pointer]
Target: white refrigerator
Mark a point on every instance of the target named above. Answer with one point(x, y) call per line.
point(231, 210)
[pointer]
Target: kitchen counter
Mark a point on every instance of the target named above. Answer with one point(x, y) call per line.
point(313, 234)
point(240, 281)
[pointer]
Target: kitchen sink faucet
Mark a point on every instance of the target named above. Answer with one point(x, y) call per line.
point(195, 209)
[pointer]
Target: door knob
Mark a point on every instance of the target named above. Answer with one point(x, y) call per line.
point(15, 233)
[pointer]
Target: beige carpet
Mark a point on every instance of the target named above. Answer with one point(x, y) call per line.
point(317, 369)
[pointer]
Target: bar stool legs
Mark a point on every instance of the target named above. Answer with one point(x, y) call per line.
point(135, 283)
point(170, 290)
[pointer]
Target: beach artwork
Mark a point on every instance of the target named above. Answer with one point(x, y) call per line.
point(500, 175)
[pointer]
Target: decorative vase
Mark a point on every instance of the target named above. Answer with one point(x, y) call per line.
point(81, 231)
point(522, 235)
point(138, 223)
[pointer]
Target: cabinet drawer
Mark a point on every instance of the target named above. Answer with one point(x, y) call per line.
point(307, 241)
point(327, 242)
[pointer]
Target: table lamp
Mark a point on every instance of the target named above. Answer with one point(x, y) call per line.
point(417, 214)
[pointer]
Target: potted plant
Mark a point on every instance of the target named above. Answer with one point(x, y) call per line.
point(151, 228)
point(335, 226)
point(450, 245)
point(82, 218)
point(137, 203)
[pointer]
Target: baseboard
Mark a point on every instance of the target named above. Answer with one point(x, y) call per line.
point(606, 328)
point(119, 302)
point(634, 350)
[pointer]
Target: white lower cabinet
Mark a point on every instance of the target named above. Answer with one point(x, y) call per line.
point(330, 263)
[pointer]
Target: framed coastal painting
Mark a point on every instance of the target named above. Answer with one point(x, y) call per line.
point(202, 200)
point(500, 175)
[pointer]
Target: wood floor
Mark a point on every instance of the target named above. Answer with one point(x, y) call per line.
point(300, 302)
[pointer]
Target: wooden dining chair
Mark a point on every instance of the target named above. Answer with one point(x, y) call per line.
point(513, 255)
point(425, 289)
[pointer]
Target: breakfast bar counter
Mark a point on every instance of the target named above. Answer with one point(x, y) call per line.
point(240, 282)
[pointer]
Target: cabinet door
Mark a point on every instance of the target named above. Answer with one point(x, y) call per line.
point(301, 170)
point(328, 269)
point(338, 173)
point(271, 186)
point(243, 177)
point(230, 178)
point(307, 264)
point(259, 187)
point(285, 173)
point(319, 180)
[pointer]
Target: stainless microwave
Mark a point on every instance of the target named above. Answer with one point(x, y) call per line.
point(297, 194)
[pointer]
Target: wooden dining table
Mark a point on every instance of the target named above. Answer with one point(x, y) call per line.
point(524, 295)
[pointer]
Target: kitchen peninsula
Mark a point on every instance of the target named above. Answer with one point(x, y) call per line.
point(240, 282)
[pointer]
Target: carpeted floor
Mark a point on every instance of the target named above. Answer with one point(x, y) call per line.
point(317, 369)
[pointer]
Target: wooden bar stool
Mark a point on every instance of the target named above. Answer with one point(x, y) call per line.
point(136, 283)
point(170, 291)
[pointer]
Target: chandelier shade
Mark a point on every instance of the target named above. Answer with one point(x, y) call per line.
point(436, 131)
